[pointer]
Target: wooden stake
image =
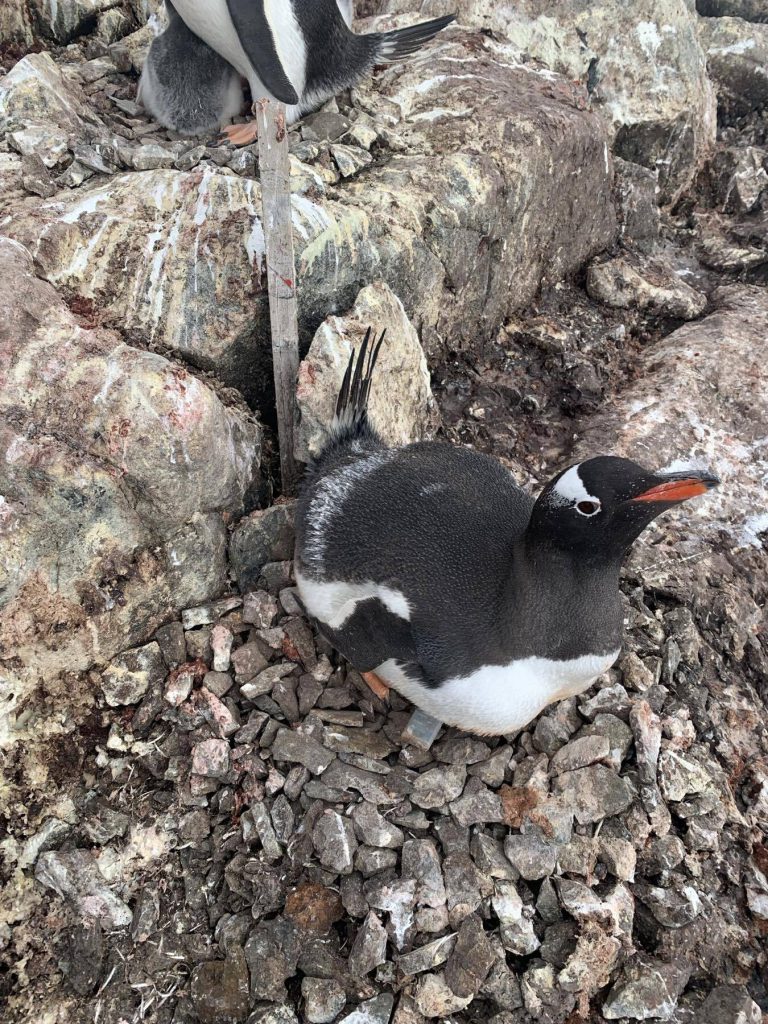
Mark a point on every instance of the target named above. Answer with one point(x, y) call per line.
point(274, 172)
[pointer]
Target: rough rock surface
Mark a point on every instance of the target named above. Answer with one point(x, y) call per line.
point(641, 62)
point(111, 484)
point(737, 54)
point(402, 406)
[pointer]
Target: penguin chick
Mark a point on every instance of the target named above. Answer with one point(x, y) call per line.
point(301, 52)
point(185, 85)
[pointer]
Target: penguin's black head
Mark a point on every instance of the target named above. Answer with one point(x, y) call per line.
point(603, 505)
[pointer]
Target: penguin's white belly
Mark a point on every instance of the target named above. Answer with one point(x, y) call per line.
point(498, 699)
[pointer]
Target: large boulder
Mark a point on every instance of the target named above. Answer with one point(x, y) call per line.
point(641, 62)
point(473, 206)
point(401, 403)
point(117, 470)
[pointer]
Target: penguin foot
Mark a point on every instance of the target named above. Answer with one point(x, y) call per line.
point(376, 684)
point(240, 134)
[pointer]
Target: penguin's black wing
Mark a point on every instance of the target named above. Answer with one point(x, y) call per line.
point(371, 636)
point(257, 39)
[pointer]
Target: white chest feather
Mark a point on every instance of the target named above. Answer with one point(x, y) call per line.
point(498, 699)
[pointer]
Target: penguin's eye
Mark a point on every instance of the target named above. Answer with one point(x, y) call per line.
point(588, 508)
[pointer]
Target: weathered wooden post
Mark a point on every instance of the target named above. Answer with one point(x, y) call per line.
point(274, 172)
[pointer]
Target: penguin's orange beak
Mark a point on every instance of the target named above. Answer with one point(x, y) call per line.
point(678, 487)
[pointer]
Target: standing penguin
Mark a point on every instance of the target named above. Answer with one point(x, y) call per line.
point(301, 52)
point(434, 573)
point(185, 85)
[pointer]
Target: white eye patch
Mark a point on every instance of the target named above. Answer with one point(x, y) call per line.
point(570, 490)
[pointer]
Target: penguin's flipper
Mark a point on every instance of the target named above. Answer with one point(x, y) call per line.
point(258, 40)
point(404, 42)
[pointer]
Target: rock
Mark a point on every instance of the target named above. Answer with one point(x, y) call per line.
point(264, 536)
point(680, 774)
point(421, 862)
point(49, 836)
point(593, 793)
point(739, 178)
point(591, 963)
point(636, 195)
point(129, 239)
point(737, 53)
point(323, 1000)
point(127, 678)
point(434, 998)
point(426, 957)
point(211, 758)
point(402, 407)
point(75, 876)
point(50, 144)
point(612, 700)
point(84, 956)
point(580, 753)
point(477, 805)
point(335, 842)
point(374, 829)
point(438, 786)
point(206, 614)
point(15, 26)
point(37, 92)
point(122, 528)
point(670, 907)
point(373, 1011)
point(272, 953)
point(471, 959)
point(219, 991)
point(66, 19)
point(530, 855)
point(729, 1004)
point(517, 934)
point(314, 908)
point(628, 282)
point(369, 948)
point(350, 159)
point(647, 989)
point(300, 749)
point(642, 65)
point(396, 897)
point(749, 10)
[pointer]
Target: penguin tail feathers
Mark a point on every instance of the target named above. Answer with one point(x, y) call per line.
point(404, 42)
point(351, 419)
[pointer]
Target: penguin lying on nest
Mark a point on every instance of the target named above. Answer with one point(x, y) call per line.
point(432, 572)
point(302, 52)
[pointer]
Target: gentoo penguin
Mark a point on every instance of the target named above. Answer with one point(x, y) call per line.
point(185, 85)
point(301, 52)
point(432, 572)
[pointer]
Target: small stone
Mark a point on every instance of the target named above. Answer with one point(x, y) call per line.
point(670, 907)
point(323, 999)
point(729, 1004)
point(47, 143)
point(195, 825)
point(248, 661)
point(260, 609)
point(75, 876)
point(438, 786)
point(488, 854)
point(434, 998)
point(517, 934)
point(295, 747)
point(211, 758)
point(170, 640)
point(612, 700)
point(579, 753)
point(217, 683)
point(427, 957)
point(420, 861)
point(265, 681)
point(314, 908)
point(350, 159)
point(219, 991)
point(369, 948)
point(617, 732)
point(374, 829)
point(589, 965)
point(257, 817)
point(373, 1011)
point(396, 897)
point(335, 843)
point(369, 860)
point(205, 614)
point(272, 953)
point(52, 833)
point(464, 887)
point(681, 775)
point(478, 805)
point(128, 677)
point(649, 284)
point(593, 793)
point(257, 545)
point(647, 989)
point(221, 645)
point(217, 713)
point(179, 684)
point(146, 915)
point(421, 731)
point(530, 855)
point(84, 956)
point(471, 960)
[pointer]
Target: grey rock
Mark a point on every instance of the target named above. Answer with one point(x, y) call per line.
point(737, 53)
point(369, 860)
point(593, 793)
point(434, 998)
point(127, 678)
point(323, 999)
point(272, 953)
point(471, 959)
point(350, 159)
point(618, 733)
point(104, 823)
point(612, 700)
point(488, 855)
point(671, 907)
point(84, 956)
point(205, 614)
point(335, 843)
point(647, 989)
point(259, 607)
point(49, 144)
point(170, 640)
point(248, 661)
point(579, 753)
point(438, 786)
point(397, 898)
point(219, 990)
point(648, 284)
point(369, 948)
point(730, 1004)
point(297, 748)
point(266, 680)
point(374, 829)
point(421, 862)
point(478, 805)
point(427, 957)
point(517, 934)
point(211, 758)
point(217, 683)
point(46, 838)
point(681, 775)
point(739, 178)
point(75, 876)
point(464, 887)
point(637, 190)
point(373, 1011)
point(530, 855)
point(263, 537)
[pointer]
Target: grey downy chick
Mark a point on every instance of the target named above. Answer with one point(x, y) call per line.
point(187, 86)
